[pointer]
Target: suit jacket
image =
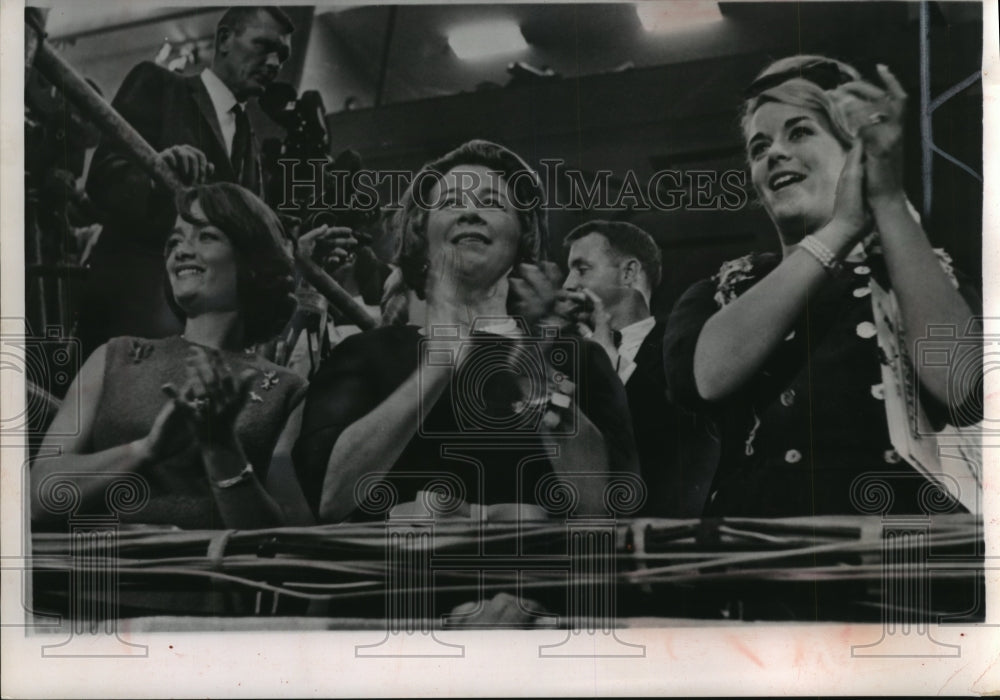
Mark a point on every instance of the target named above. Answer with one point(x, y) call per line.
point(125, 290)
point(676, 454)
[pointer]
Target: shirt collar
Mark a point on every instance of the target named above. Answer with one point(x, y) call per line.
point(222, 97)
point(637, 331)
point(501, 326)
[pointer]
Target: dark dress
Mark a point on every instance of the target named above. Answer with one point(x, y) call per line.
point(471, 438)
point(813, 418)
point(131, 398)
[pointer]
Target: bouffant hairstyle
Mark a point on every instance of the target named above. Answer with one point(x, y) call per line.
point(411, 220)
point(802, 81)
point(265, 281)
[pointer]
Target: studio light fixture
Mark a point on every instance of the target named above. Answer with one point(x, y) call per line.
point(662, 16)
point(484, 39)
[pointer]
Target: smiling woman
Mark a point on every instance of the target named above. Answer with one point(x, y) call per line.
point(474, 405)
point(795, 163)
point(801, 360)
point(193, 419)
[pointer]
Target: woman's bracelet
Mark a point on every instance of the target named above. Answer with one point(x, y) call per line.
point(816, 248)
point(244, 475)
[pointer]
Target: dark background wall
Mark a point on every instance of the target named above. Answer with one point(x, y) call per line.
point(684, 116)
point(624, 99)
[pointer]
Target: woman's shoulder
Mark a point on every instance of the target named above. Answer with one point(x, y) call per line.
point(736, 276)
point(133, 349)
point(376, 351)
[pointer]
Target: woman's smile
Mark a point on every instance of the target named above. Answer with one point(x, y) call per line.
point(783, 179)
point(471, 237)
point(188, 270)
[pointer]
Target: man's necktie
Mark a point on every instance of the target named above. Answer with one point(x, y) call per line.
point(242, 153)
point(616, 338)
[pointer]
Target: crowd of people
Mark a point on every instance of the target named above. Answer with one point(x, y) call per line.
point(498, 381)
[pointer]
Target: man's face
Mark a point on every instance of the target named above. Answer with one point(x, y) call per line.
point(248, 61)
point(594, 266)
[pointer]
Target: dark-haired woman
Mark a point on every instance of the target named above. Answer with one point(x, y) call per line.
point(196, 417)
point(806, 382)
point(396, 403)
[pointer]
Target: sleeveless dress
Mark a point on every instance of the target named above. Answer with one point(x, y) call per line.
point(180, 495)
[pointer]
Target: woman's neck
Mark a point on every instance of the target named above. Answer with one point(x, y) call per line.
point(460, 307)
point(222, 330)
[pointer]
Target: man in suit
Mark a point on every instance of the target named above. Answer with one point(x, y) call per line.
point(200, 127)
point(616, 266)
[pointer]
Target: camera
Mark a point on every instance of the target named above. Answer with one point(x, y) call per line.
point(503, 384)
point(963, 357)
point(307, 139)
point(303, 118)
point(47, 364)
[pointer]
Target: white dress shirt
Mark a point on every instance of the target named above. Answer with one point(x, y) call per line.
point(632, 339)
point(223, 100)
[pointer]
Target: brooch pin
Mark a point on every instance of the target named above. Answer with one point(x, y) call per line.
point(270, 379)
point(140, 351)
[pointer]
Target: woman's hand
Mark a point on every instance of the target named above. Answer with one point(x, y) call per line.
point(328, 246)
point(210, 401)
point(876, 115)
point(502, 610)
point(851, 219)
point(170, 432)
point(212, 397)
point(537, 294)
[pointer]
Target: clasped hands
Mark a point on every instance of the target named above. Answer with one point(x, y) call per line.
point(873, 171)
point(204, 408)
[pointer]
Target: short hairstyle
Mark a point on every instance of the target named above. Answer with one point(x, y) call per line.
point(411, 219)
point(799, 90)
point(238, 17)
point(264, 279)
point(625, 239)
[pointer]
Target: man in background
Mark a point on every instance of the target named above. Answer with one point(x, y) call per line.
point(617, 266)
point(199, 126)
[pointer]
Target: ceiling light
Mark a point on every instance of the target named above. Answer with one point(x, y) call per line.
point(473, 41)
point(661, 16)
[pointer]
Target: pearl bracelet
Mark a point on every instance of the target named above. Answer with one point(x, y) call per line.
point(816, 248)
